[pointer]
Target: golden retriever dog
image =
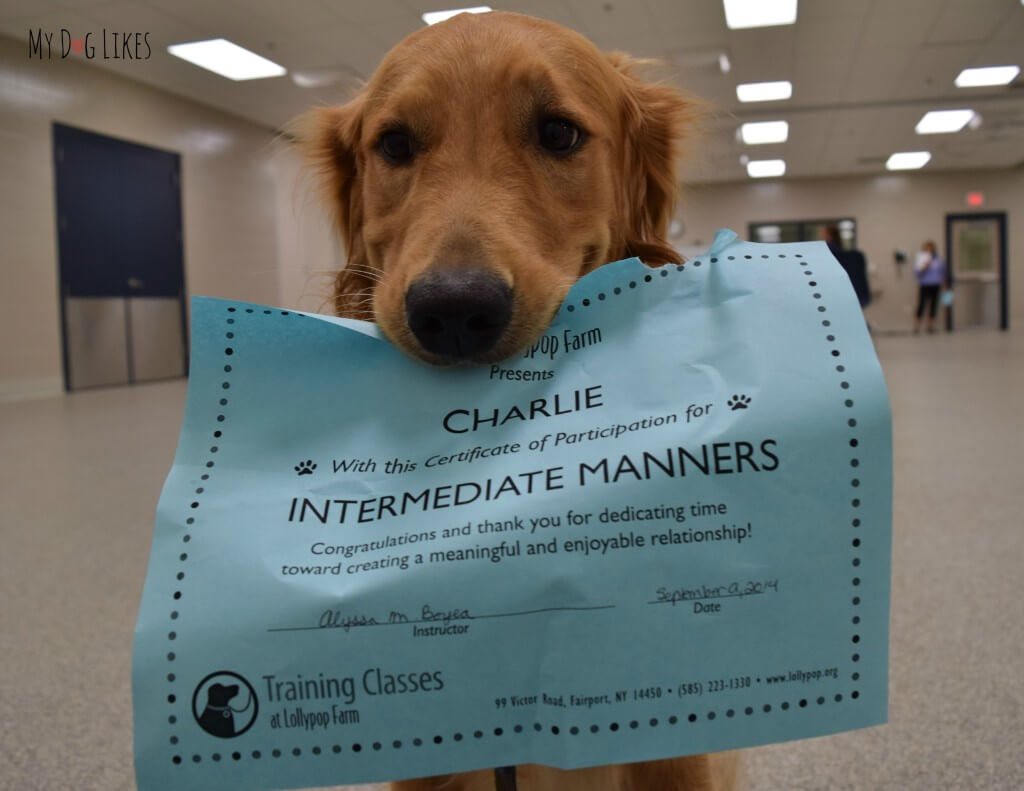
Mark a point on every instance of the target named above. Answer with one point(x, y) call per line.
point(490, 162)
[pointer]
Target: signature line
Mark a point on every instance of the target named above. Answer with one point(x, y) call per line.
point(404, 622)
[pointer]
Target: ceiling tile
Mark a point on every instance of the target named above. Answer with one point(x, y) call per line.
point(295, 14)
point(370, 12)
point(902, 24)
point(684, 25)
point(615, 25)
point(162, 29)
point(552, 10)
point(763, 54)
point(875, 74)
point(930, 73)
point(968, 20)
point(222, 19)
point(49, 19)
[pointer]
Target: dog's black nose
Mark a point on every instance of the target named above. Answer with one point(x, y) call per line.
point(458, 313)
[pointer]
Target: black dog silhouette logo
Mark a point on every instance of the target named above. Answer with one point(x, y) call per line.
point(224, 704)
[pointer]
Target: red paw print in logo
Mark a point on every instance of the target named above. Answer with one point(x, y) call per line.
point(77, 45)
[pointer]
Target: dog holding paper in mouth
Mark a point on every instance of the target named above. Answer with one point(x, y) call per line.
point(490, 162)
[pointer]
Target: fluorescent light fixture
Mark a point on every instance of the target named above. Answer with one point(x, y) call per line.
point(766, 168)
point(759, 13)
point(433, 17)
point(764, 132)
point(764, 91)
point(226, 59)
point(908, 160)
point(989, 75)
point(939, 122)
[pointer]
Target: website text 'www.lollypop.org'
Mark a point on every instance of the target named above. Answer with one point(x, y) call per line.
point(802, 676)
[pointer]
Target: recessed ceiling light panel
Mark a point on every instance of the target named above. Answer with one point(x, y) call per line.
point(766, 168)
point(759, 13)
point(226, 59)
point(764, 132)
point(989, 75)
point(433, 17)
point(908, 160)
point(943, 121)
point(764, 91)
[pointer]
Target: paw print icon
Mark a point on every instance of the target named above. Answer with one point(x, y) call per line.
point(739, 402)
point(305, 467)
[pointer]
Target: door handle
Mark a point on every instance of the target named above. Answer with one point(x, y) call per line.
point(135, 283)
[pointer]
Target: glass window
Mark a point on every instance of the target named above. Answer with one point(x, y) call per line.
point(803, 231)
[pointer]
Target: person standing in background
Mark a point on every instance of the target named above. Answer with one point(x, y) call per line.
point(931, 279)
point(852, 261)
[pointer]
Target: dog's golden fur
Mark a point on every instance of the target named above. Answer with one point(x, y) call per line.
point(716, 772)
point(479, 191)
point(470, 91)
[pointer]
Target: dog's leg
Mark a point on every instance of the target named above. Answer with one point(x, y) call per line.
point(716, 772)
point(464, 781)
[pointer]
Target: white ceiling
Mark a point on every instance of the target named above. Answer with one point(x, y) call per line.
point(864, 71)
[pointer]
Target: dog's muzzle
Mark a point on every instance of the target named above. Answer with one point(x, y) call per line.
point(459, 313)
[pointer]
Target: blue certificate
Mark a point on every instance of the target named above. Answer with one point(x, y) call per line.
point(664, 529)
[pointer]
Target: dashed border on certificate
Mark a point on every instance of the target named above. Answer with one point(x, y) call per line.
point(209, 464)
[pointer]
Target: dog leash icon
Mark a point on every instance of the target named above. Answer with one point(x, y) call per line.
point(227, 710)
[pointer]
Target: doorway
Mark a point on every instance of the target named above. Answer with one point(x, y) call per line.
point(976, 252)
point(121, 270)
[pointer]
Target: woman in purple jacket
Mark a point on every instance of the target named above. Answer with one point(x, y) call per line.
point(931, 279)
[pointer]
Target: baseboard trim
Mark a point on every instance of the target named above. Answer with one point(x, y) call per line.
point(30, 388)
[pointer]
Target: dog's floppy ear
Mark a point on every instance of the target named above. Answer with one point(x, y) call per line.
point(330, 136)
point(656, 119)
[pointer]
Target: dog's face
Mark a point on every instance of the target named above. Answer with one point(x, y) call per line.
point(490, 162)
point(220, 694)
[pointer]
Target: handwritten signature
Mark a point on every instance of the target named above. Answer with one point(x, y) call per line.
point(340, 619)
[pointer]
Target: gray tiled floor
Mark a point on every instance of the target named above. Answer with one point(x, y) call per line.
point(81, 476)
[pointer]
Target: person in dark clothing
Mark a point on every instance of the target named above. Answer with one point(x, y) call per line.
point(853, 262)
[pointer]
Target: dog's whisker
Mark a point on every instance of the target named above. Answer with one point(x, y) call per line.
point(374, 275)
point(360, 296)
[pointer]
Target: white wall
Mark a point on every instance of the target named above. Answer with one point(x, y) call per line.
point(309, 253)
point(229, 198)
point(893, 211)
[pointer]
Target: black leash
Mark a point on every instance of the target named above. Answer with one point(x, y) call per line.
point(505, 778)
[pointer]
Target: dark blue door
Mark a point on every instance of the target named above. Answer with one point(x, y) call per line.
point(120, 251)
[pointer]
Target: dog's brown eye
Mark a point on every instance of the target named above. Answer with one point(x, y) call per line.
point(560, 136)
point(396, 146)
